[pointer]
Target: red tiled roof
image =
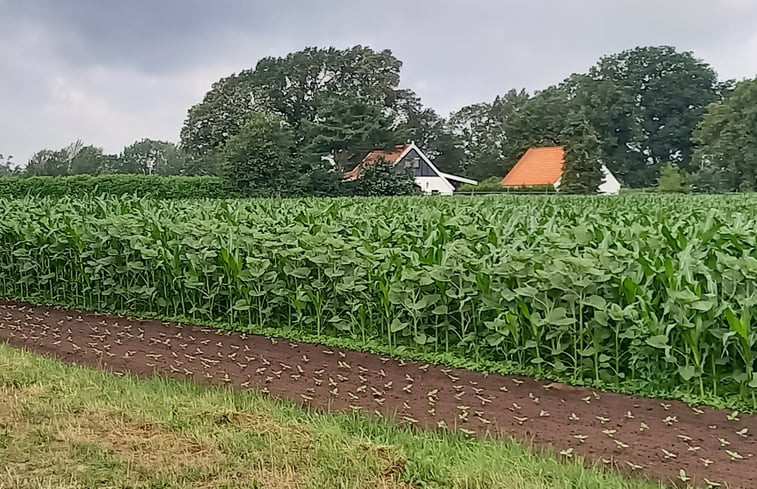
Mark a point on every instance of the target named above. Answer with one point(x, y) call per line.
point(390, 156)
point(538, 166)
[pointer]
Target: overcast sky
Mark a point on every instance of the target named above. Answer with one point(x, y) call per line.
point(111, 72)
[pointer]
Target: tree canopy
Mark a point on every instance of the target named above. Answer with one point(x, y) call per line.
point(633, 111)
point(726, 139)
point(644, 104)
point(150, 157)
point(348, 99)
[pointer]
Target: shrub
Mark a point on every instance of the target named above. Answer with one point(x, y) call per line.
point(673, 180)
point(494, 184)
point(382, 179)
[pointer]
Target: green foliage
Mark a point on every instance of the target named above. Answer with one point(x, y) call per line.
point(347, 129)
point(7, 166)
point(644, 104)
point(491, 184)
point(260, 160)
point(150, 157)
point(487, 135)
point(673, 180)
point(339, 91)
point(89, 160)
point(75, 159)
point(727, 142)
point(383, 179)
point(582, 173)
point(135, 185)
point(647, 293)
point(494, 184)
point(48, 163)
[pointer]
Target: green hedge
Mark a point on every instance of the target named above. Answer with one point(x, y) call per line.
point(164, 187)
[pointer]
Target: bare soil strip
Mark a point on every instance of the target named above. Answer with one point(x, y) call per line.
point(646, 437)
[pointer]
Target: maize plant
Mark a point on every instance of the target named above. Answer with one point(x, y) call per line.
point(635, 291)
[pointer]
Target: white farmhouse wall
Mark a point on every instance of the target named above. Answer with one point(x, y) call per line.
point(434, 184)
point(610, 185)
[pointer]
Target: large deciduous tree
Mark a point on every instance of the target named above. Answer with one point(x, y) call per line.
point(310, 87)
point(90, 160)
point(75, 159)
point(486, 132)
point(148, 157)
point(48, 163)
point(726, 139)
point(7, 166)
point(644, 104)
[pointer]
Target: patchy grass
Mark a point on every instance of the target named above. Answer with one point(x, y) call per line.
point(68, 427)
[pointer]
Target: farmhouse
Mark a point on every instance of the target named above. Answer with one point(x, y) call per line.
point(410, 157)
point(544, 167)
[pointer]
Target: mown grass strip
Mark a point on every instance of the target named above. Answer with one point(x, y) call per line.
point(69, 427)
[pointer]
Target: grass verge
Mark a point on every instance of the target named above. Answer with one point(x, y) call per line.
point(69, 427)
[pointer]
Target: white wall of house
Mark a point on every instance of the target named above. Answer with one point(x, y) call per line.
point(611, 185)
point(435, 184)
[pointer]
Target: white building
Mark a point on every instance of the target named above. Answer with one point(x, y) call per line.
point(410, 157)
point(543, 167)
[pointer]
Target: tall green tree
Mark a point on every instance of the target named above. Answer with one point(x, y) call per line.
point(673, 180)
point(582, 171)
point(644, 104)
point(433, 135)
point(220, 115)
point(261, 160)
point(726, 141)
point(486, 132)
point(148, 157)
point(48, 162)
point(74, 159)
point(90, 160)
point(347, 128)
point(301, 88)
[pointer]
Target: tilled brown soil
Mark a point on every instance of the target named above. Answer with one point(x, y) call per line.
point(647, 437)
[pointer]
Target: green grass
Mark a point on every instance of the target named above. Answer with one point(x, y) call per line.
point(69, 427)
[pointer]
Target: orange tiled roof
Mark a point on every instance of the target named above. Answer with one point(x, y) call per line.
point(390, 156)
point(539, 166)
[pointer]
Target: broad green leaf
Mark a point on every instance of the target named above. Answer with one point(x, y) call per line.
point(659, 341)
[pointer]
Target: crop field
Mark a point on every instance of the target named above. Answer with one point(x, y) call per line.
point(644, 294)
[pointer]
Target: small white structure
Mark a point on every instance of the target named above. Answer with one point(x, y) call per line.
point(542, 167)
point(410, 157)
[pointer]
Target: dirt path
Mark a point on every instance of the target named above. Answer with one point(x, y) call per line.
point(643, 436)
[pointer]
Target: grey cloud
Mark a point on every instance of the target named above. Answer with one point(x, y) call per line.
point(111, 71)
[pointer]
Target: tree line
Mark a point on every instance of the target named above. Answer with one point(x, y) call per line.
point(291, 125)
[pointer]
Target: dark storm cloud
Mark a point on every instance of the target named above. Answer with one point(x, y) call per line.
point(111, 71)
